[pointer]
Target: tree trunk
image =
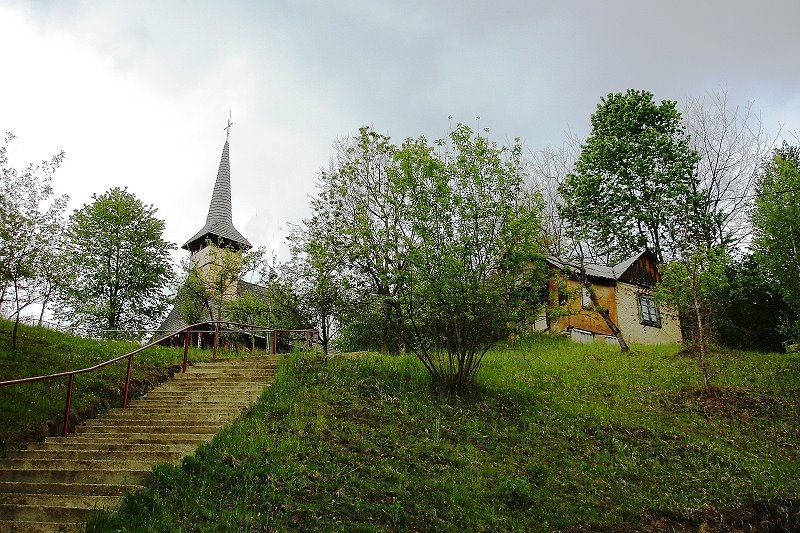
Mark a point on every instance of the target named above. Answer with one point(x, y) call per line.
point(702, 341)
point(41, 314)
point(606, 314)
point(401, 346)
point(387, 318)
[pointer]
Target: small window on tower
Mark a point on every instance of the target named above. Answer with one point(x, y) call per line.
point(648, 311)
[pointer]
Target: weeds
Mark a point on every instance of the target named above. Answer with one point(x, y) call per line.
point(558, 437)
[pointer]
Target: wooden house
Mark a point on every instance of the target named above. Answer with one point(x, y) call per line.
point(625, 289)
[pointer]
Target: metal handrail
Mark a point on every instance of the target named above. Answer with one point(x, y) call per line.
point(309, 334)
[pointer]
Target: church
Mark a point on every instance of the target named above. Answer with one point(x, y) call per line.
point(218, 235)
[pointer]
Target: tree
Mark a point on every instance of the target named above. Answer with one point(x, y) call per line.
point(249, 308)
point(211, 280)
point(209, 288)
point(549, 169)
point(31, 221)
point(776, 224)
point(361, 208)
point(317, 279)
point(732, 145)
point(694, 285)
point(633, 178)
point(750, 308)
point(471, 242)
point(122, 265)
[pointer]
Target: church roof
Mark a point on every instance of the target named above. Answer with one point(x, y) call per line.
point(176, 322)
point(219, 223)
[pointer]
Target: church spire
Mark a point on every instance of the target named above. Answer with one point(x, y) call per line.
point(219, 222)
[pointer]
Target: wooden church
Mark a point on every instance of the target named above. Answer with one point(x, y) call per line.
point(217, 236)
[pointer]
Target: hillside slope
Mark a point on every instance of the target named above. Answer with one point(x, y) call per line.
point(559, 437)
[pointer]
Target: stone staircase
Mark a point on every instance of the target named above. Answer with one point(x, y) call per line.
point(54, 485)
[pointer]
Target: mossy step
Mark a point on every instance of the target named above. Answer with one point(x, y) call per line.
point(125, 476)
point(97, 489)
point(76, 454)
point(140, 438)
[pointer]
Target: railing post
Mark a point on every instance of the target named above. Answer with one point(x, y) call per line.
point(187, 334)
point(274, 341)
point(128, 381)
point(216, 341)
point(68, 408)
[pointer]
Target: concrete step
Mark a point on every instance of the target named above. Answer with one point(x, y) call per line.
point(52, 486)
point(176, 428)
point(74, 464)
point(139, 419)
point(141, 438)
point(87, 489)
point(124, 476)
point(82, 454)
point(24, 526)
point(37, 513)
point(88, 501)
point(73, 442)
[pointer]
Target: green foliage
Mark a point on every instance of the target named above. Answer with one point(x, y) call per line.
point(700, 279)
point(249, 308)
point(192, 298)
point(694, 286)
point(358, 212)
point(31, 227)
point(318, 280)
point(210, 287)
point(750, 308)
point(634, 179)
point(122, 266)
point(471, 246)
point(564, 437)
point(776, 224)
point(34, 411)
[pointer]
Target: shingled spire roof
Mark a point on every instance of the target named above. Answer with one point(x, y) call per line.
point(219, 223)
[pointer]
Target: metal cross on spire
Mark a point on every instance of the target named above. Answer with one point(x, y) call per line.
point(228, 127)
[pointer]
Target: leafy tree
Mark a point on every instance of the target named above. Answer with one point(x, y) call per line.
point(634, 177)
point(694, 285)
point(317, 278)
point(361, 208)
point(471, 244)
point(31, 224)
point(211, 280)
point(776, 224)
point(750, 308)
point(122, 266)
point(249, 308)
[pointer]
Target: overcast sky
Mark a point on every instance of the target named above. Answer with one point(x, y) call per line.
point(137, 93)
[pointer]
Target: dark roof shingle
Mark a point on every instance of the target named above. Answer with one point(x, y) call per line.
point(219, 223)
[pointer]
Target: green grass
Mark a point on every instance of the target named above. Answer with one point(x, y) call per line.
point(33, 411)
point(559, 437)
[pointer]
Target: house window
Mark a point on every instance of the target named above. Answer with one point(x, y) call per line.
point(648, 311)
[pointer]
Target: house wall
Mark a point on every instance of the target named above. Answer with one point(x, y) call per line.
point(582, 318)
point(630, 323)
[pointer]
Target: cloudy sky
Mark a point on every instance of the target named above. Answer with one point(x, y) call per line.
point(137, 93)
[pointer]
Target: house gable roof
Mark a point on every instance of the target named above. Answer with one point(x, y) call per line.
point(219, 222)
point(639, 269)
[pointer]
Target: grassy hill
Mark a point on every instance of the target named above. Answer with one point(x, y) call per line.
point(560, 437)
point(33, 411)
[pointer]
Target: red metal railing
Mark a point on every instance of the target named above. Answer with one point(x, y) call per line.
point(309, 337)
